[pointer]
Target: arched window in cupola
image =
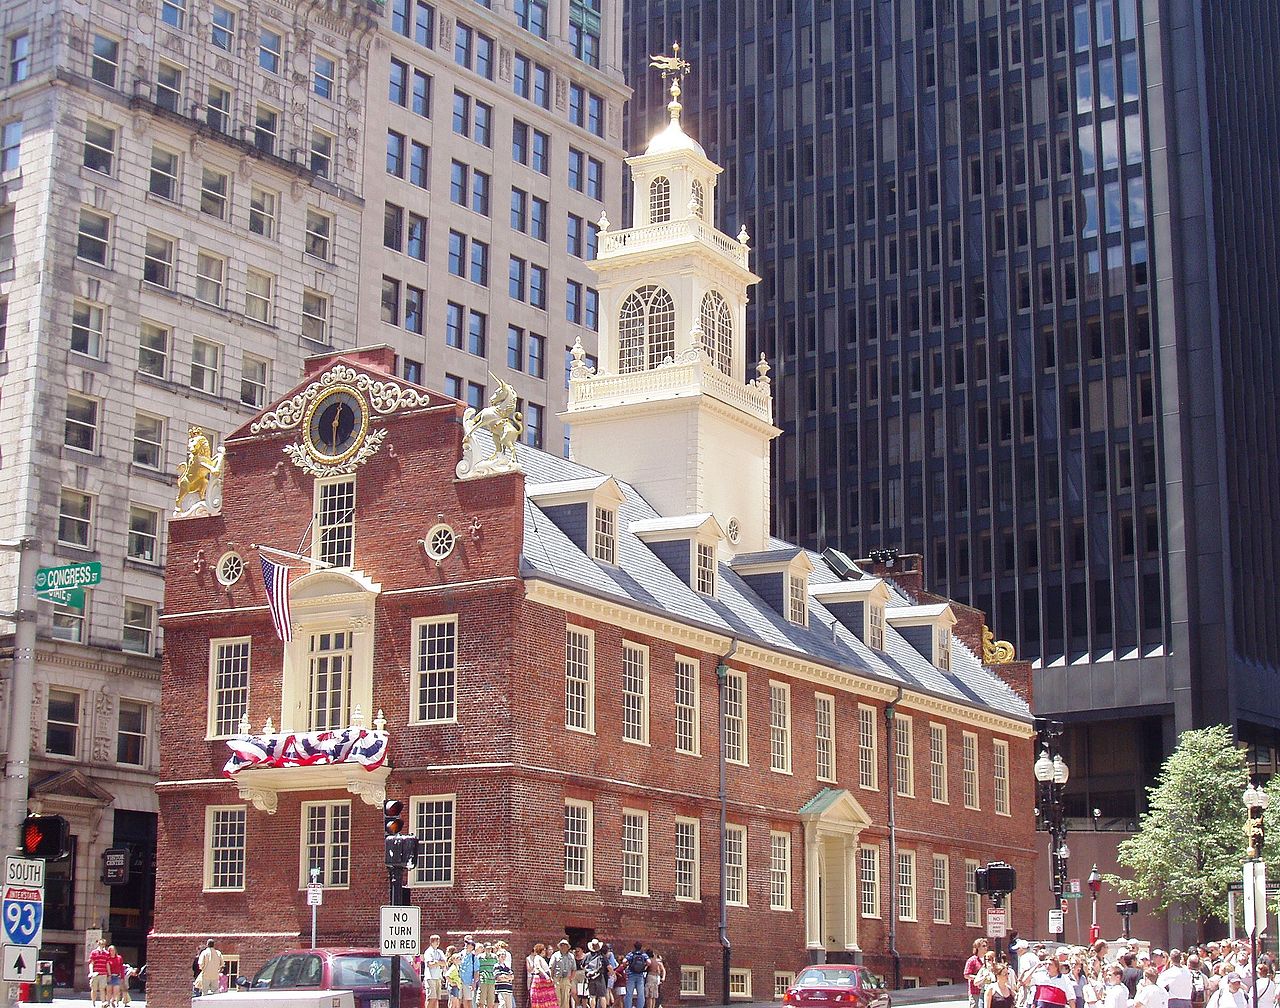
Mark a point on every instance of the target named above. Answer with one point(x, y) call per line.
point(717, 330)
point(660, 200)
point(646, 330)
point(698, 202)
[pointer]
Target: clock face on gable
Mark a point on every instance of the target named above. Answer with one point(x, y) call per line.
point(336, 425)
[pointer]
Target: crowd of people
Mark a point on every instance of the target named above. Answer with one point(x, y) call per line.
point(482, 975)
point(1216, 975)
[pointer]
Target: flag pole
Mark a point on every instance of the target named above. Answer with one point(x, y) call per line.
point(322, 564)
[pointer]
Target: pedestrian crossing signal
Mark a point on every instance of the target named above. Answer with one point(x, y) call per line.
point(45, 837)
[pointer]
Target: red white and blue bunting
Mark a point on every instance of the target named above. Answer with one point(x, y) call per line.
point(350, 745)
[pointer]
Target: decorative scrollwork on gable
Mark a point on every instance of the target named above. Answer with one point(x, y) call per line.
point(384, 396)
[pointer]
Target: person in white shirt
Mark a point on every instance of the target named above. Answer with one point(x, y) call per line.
point(1176, 979)
point(1266, 997)
point(1230, 993)
point(433, 958)
point(1117, 994)
point(1150, 993)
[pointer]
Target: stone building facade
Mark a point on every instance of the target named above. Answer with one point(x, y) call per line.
point(192, 201)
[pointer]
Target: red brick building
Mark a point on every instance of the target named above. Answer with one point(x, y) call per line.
point(549, 660)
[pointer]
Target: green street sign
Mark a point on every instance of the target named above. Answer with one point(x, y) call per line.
point(1071, 895)
point(69, 578)
point(73, 598)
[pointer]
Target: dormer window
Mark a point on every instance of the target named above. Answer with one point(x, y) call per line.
point(335, 521)
point(927, 628)
point(705, 568)
point(942, 648)
point(798, 599)
point(875, 626)
point(660, 200)
point(604, 541)
point(697, 202)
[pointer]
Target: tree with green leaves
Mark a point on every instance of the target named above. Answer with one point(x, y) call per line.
point(1190, 843)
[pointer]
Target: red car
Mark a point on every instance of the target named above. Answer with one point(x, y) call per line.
point(837, 983)
point(364, 972)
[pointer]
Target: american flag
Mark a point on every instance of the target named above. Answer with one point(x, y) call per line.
point(275, 578)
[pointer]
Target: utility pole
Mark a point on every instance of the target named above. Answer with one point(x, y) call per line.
point(13, 806)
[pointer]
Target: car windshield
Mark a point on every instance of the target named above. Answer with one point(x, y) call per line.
point(829, 977)
point(369, 971)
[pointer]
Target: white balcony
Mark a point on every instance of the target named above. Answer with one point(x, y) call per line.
point(675, 379)
point(671, 234)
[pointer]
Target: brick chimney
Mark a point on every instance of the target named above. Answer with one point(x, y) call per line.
point(380, 357)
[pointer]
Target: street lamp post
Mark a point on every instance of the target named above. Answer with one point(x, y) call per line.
point(1051, 773)
point(1255, 801)
point(1095, 884)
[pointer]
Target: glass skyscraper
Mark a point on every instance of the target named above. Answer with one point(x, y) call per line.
point(1020, 293)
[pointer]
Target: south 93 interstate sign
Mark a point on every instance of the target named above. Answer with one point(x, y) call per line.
point(23, 916)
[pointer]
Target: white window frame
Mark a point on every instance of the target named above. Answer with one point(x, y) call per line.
point(332, 527)
point(972, 898)
point(693, 865)
point(309, 319)
point(160, 252)
point(693, 981)
point(145, 645)
point(868, 749)
point(336, 866)
point(321, 150)
point(254, 388)
point(798, 599)
point(237, 649)
point(432, 843)
point(153, 535)
point(942, 648)
point(634, 852)
point(211, 278)
point(735, 865)
point(688, 703)
point(200, 368)
point(824, 735)
point(264, 206)
point(158, 444)
point(782, 980)
point(588, 848)
point(212, 814)
point(869, 881)
point(107, 152)
point(79, 699)
point(81, 234)
point(704, 568)
point(740, 983)
point(604, 535)
point(94, 327)
point(1000, 776)
point(587, 723)
point(169, 173)
point(319, 243)
point(140, 736)
point(941, 893)
point(875, 625)
point(779, 727)
point(93, 410)
point(735, 718)
point(77, 518)
point(938, 785)
point(422, 688)
point(904, 762)
point(906, 909)
point(972, 793)
point(214, 200)
point(635, 702)
point(779, 870)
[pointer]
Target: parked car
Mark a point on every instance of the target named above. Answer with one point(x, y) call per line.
point(837, 983)
point(364, 972)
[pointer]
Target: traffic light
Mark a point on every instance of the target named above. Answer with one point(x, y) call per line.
point(392, 817)
point(45, 837)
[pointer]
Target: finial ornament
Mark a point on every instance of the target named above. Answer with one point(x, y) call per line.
point(762, 373)
point(743, 237)
point(995, 652)
point(579, 368)
point(603, 222)
point(675, 69)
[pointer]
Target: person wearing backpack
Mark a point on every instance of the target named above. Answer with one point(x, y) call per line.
point(596, 970)
point(637, 965)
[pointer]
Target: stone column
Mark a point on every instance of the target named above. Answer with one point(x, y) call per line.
point(851, 894)
point(812, 900)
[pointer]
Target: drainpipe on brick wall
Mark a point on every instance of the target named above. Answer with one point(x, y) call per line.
point(726, 949)
point(891, 785)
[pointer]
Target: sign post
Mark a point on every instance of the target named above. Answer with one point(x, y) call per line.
point(315, 898)
point(23, 917)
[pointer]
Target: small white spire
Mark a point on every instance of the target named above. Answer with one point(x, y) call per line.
point(269, 728)
point(603, 222)
point(245, 727)
point(743, 237)
point(380, 722)
point(579, 368)
point(762, 373)
point(357, 717)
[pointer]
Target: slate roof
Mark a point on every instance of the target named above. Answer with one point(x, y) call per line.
point(642, 580)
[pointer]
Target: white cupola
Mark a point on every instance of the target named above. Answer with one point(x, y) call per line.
point(672, 389)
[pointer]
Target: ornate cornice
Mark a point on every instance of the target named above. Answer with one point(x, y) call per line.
point(384, 396)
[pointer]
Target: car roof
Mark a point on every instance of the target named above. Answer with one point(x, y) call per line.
point(344, 951)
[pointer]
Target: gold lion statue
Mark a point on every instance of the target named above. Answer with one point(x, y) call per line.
point(201, 467)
